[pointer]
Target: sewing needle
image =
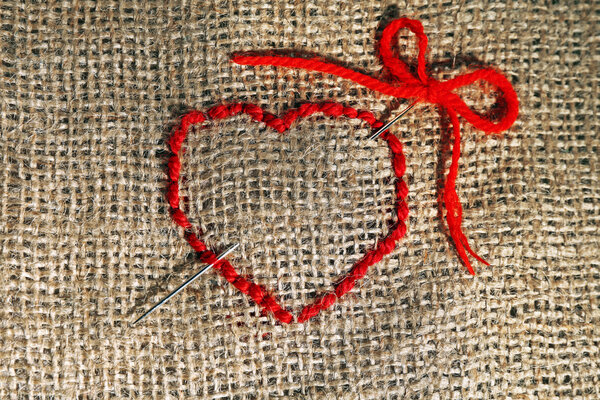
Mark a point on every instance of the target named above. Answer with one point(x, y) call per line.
point(184, 284)
point(392, 122)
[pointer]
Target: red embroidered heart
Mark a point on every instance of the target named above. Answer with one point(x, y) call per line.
point(281, 124)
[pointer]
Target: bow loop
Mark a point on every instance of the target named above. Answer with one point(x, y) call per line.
point(395, 65)
point(508, 102)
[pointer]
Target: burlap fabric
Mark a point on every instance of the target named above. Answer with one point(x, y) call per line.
point(89, 93)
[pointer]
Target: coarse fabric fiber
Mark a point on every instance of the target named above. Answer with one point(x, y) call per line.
point(89, 94)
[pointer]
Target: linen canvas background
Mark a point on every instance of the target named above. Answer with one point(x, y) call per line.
point(88, 96)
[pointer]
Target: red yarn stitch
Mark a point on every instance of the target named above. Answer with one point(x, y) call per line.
point(254, 291)
point(425, 89)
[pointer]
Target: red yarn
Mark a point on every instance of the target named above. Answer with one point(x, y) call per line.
point(425, 89)
point(254, 291)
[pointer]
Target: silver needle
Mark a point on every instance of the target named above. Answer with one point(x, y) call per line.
point(392, 122)
point(184, 284)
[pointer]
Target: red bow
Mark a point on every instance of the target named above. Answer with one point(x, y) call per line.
point(425, 89)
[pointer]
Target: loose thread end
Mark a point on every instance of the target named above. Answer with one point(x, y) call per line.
point(454, 220)
point(462, 247)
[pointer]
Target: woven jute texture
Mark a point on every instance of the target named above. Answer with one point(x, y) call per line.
point(89, 93)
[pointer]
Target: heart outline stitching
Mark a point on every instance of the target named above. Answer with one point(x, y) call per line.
point(281, 124)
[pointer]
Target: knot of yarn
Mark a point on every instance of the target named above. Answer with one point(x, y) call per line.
point(420, 86)
point(433, 93)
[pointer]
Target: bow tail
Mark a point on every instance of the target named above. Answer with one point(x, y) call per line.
point(453, 206)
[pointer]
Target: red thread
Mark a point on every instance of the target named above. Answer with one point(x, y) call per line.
point(244, 285)
point(424, 88)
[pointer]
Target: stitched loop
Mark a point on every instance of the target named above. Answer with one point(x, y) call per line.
point(258, 294)
point(254, 291)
